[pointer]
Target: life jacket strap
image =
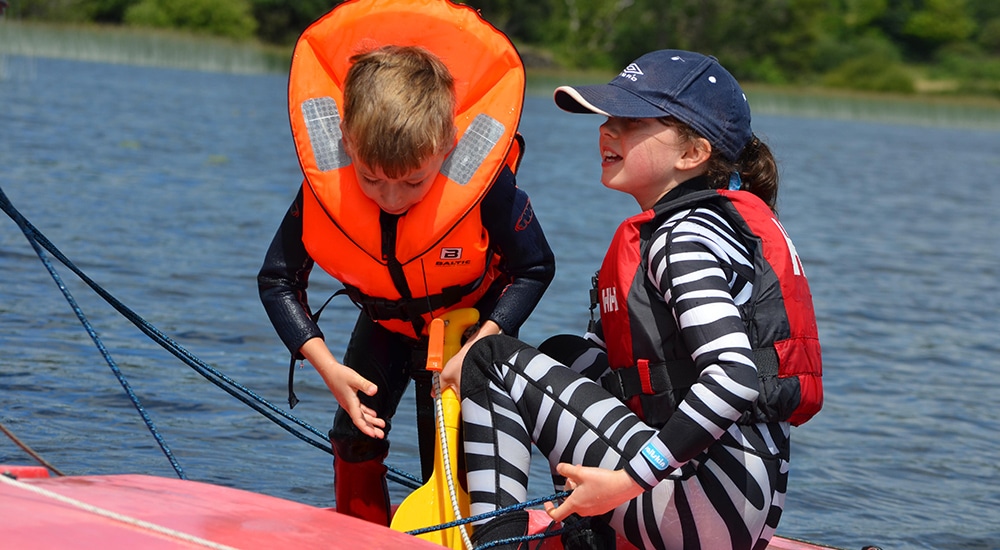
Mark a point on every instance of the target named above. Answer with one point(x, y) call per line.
point(648, 378)
point(411, 309)
point(645, 378)
point(292, 398)
point(766, 360)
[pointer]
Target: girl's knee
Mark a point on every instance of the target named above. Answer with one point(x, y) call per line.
point(482, 356)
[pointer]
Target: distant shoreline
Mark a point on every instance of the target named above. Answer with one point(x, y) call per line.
point(145, 47)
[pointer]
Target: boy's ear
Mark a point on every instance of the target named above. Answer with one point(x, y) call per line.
point(346, 140)
point(454, 139)
point(697, 152)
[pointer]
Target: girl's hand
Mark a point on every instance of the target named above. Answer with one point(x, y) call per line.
point(595, 491)
point(345, 383)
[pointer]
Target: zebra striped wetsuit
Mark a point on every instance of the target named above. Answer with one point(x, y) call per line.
point(712, 482)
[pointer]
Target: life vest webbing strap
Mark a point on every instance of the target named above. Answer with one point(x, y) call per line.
point(646, 378)
point(410, 309)
point(766, 360)
point(649, 378)
point(388, 223)
point(642, 366)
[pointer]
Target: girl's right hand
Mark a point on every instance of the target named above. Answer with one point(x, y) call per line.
point(596, 491)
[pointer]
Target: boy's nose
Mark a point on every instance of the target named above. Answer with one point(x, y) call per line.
point(393, 199)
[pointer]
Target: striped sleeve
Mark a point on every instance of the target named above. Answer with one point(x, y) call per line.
point(691, 263)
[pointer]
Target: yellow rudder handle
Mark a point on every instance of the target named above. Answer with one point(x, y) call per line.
point(431, 504)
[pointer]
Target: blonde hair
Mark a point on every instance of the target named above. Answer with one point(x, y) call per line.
point(399, 108)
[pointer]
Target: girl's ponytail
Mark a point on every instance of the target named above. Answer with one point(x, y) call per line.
point(756, 167)
point(759, 171)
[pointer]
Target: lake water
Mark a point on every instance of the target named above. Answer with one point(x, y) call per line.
point(165, 186)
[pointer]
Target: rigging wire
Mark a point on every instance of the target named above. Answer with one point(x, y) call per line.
point(227, 384)
point(41, 244)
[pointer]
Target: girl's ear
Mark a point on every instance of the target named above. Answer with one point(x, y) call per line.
point(696, 152)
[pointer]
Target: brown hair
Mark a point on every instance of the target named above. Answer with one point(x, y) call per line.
point(399, 108)
point(756, 166)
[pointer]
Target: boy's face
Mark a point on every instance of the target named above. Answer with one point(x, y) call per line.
point(397, 195)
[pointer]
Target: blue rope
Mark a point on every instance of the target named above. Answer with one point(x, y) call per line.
point(224, 382)
point(487, 515)
point(38, 241)
point(30, 235)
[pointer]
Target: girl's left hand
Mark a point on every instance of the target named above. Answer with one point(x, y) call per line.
point(595, 491)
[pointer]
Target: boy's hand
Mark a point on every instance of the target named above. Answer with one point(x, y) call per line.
point(345, 383)
point(451, 374)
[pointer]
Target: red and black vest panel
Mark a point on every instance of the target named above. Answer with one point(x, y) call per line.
point(653, 369)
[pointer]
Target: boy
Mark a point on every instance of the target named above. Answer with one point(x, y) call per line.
point(413, 223)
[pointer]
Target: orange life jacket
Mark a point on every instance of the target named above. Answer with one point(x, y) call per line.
point(441, 259)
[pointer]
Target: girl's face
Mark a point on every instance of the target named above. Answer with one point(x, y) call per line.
point(644, 157)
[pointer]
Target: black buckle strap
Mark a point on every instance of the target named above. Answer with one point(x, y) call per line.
point(766, 360)
point(407, 309)
point(648, 378)
point(653, 378)
point(411, 309)
point(292, 398)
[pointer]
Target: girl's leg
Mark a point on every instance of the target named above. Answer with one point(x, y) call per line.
point(513, 395)
point(588, 359)
point(577, 353)
point(728, 497)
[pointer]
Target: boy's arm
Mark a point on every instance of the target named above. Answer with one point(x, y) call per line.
point(283, 279)
point(525, 253)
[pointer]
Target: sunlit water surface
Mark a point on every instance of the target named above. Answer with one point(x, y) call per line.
point(165, 186)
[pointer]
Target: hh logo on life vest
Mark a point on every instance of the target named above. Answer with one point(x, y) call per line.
point(451, 256)
point(609, 300)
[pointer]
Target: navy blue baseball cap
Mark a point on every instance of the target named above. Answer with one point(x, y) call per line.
point(691, 87)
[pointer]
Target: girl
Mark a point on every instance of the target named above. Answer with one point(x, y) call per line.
point(706, 350)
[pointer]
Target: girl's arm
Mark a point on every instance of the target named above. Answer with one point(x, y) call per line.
point(690, 263)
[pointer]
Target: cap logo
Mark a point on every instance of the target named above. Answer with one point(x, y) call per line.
point(631, 72)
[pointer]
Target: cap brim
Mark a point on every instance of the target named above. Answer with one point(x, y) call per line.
point(607, 100)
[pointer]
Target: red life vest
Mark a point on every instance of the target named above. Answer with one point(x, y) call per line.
point(642, 336)
point(441, 257)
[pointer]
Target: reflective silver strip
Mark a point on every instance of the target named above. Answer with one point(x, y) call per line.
point(476, 143)
point(323, 124)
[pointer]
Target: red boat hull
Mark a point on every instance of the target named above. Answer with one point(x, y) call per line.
point(113, 512)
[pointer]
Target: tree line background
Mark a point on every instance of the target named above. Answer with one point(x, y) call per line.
point(941, 46)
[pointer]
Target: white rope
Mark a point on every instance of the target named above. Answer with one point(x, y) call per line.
point(114, 515)
point(443, 433)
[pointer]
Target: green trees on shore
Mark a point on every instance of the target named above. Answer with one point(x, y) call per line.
point(877, 45)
